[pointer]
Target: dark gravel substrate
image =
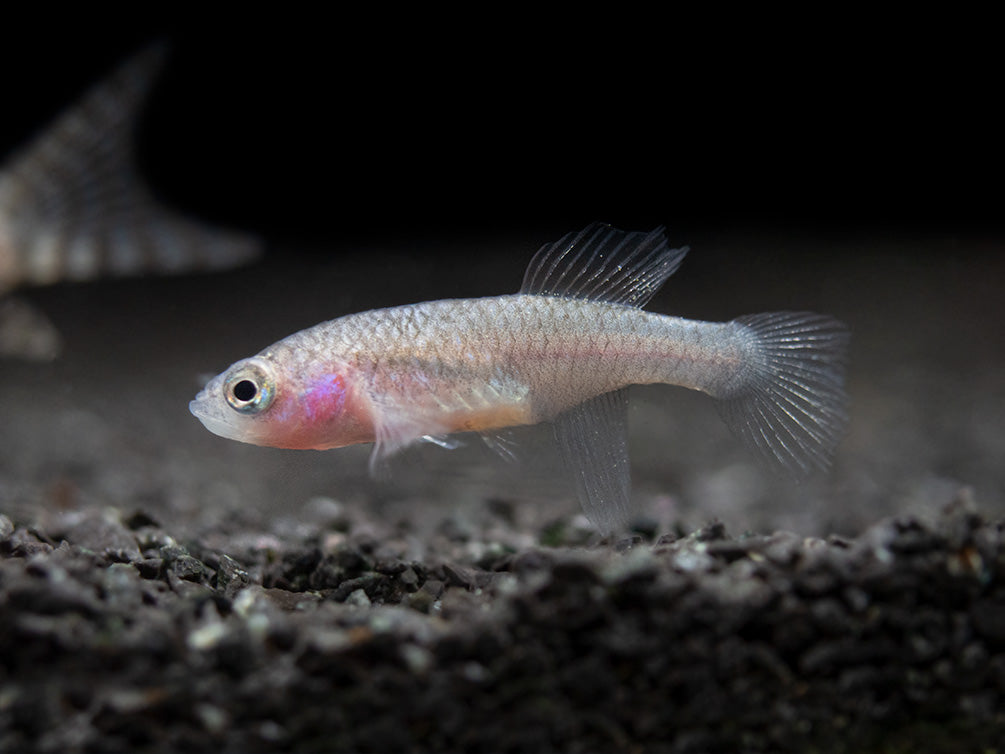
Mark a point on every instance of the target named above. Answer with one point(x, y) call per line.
point(115, 637)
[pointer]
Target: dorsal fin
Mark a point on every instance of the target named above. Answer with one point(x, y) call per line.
point(602, 263)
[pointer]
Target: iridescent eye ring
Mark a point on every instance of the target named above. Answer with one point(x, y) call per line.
point(249, 388)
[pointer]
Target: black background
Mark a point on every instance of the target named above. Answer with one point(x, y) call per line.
point(316, 128)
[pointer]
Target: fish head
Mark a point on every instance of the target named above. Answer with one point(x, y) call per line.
point(257, 401)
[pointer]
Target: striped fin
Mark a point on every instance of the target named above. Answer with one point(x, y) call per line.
point(601, 263)
point(73, 207)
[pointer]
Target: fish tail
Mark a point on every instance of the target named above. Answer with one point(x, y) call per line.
point(73, 205)
point(789, 403)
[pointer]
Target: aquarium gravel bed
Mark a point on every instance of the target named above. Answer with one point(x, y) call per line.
point(116, 636)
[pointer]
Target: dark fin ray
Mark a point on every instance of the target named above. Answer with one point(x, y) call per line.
point(792, 408)
point(601, 263)
point(593, 439)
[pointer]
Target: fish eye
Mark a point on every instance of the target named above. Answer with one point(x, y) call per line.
point(250, 388)
point(245, 390)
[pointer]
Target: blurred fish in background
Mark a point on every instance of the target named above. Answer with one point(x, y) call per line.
point(73, 207)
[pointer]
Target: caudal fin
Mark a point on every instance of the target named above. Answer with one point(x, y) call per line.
point(792, 407)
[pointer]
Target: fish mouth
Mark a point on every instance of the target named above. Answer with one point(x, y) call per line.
point(196, 409)
point(201, 407)
point(221, 420)
point(210, 419)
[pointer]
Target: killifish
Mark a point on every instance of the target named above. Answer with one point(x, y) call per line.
point(563, 350)
point(73, 207)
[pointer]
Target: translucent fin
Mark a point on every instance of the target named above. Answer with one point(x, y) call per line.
point(74, 207)
point(435, 409)
point(443, 441)
point(503, 443)
point(593, 439)
point(792, 408)
point(396, 428)
point(602, 263)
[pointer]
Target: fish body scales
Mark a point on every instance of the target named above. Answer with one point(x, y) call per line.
point(542, 354)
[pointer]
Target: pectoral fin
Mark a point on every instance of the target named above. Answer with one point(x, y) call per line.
point(432, 412)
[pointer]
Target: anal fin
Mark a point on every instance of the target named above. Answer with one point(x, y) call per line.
point(593, 439)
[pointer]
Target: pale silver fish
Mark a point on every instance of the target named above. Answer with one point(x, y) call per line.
point(563, 350)
point(73, 207)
